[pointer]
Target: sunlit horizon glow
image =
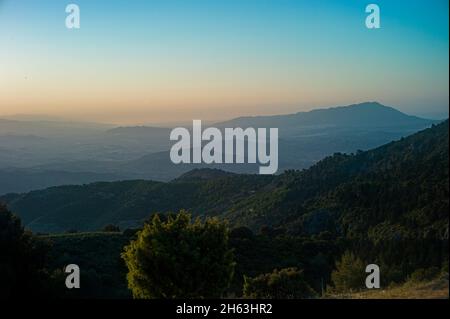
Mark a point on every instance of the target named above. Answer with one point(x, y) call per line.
point(176, 60)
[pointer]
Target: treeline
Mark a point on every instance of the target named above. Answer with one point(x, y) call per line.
point(175, 256)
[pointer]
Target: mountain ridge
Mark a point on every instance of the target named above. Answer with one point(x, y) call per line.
point(325, 197)
point(334, 116)
point(142, 152)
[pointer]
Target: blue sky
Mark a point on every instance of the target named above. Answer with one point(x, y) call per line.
point(179, 59)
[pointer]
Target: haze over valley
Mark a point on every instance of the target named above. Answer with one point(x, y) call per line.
point(36, 154)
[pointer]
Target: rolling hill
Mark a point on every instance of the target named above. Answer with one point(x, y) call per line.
point(399, 190)
point(20, 180)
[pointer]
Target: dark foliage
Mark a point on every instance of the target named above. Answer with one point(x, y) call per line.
point(22, 260)
point(288, 283)
point(179, 259)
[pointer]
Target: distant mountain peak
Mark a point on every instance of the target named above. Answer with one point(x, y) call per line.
point(371, 114)
point(369, 105)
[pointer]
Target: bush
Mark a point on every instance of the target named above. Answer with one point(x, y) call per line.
point(287, 283)
point(350, 274)
point(179, 259)
point(421, 275)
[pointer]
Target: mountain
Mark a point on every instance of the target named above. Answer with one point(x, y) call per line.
point(305, 138)
point(51, 128)
point(368, 115)
point(399, 190)
point(142, 152)
point(52, 145)
point(24, 144)
point(25, 180)
point(126, 203)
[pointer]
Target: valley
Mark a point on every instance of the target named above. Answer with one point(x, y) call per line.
point(59, 152)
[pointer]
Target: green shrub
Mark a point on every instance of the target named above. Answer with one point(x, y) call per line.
point(349, 275)
point(287, 283)
point(180, 259)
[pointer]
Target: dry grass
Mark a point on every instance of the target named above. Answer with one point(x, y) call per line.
point(436, 289)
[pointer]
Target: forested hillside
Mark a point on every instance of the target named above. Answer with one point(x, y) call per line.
point(387, 206)
point(397, 190)
point(128, 203)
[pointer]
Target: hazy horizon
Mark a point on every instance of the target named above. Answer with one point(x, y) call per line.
point(50, 118)
point(174, 61)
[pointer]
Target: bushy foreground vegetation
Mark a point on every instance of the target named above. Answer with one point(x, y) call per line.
point(287, 283)
point(200, 265)
point(178, 258)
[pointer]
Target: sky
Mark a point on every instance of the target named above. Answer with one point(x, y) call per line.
point(176, 60)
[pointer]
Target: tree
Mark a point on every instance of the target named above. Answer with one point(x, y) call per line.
point(22, 259)
point(350, 273)
point(287, 283)
point(179, 258)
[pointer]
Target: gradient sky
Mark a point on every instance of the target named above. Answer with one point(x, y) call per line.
point(172, 60)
